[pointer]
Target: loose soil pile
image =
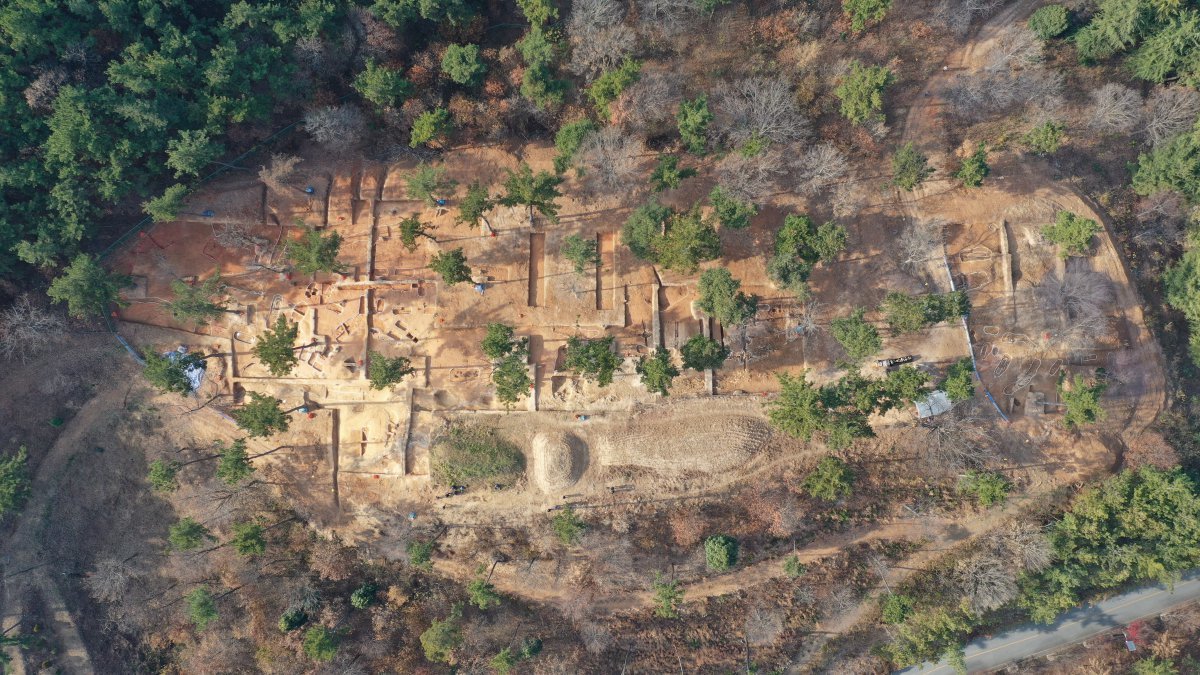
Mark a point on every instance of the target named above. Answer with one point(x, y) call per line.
point(553, 468)
point(711, 444)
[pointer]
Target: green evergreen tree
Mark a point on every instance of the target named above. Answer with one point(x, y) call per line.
point(702, 353)
point(166, 207)
point(657, 371)
point(461, 64)
point(1050, 21)
point(384, 87)
point(431, 126)
point(861, 92)
point(1073, 234)
point(974, 168)
point(721, 297)
point(864, 12)
point(831, 480)
point(163, 475)
point(427, 182)
point(275, 347)
point(320, 644)
point(314, 252)
point(720, 552)
point(248, 538)
point(87, 288)
point(197, 302)
point(592, 359)
point(856, 336)
point(201, 607)
point(693, 120)
point(15, 483)
point(583, 253)
point(535, 191)
point(233, 465)
point(191, 151)
point(411, 229)
point(667, 174)
point(261, 416)
point(386, 371)
point(910, 168)
point(1082, 401)
point(730, 212)
point(451, 266)
point(187, 534)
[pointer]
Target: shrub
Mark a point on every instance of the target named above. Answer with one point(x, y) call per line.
point(320, 643)
point(1073, 234)
point(1082, 401)
point(793, 568)
point(896, 608)
point(730, 212)
point(988, 488)
point(830, 480)
point(482, 594)
point(584, 253)
point(1050, 21)
point(856, 336)
point(162, 478)
point(469, 454)
point(611, 83)
point(1045, 138)
point(667, 173)
point(568, 526)
point(202, 608)
point(504, 662)
point(431, 125)
point(974, 168)
point(721, 298)
point(420, 553)
point(720, 552)
point(959, 384)
point(693, 120)
point(657, 371)
point(292, 619)
point(667, 597)
point(863, 12)
point(906, 314)
point(363, 596)
point(861, 92)
point(461, 64)
point(910, 168)
point(442, 637)
point(568, 140)
point(702, 353)
point(592, 359)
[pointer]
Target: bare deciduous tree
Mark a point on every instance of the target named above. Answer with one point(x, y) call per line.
point(110, 580)
point(331, 560)
point(668, 16)
point(338, 128)
point(376, 37)
point(979, 95)
point(763, 627)
point(1170, 111)
point(279, 173)
point(987, 583)
point(819, 168)
point(1162, 217)
point(957, 15)
point(40, 93)
point(846, 200)
point(842, 599)
point(598, 39)
point(649, 105)
point(1081, 293)
point(759, 107)
point(1016, 48)
point(610, 160)
point(1115, 108)
point(1023, 545)
point(958, 440)
point(750, 179)
point(596, 638)
point(920, 243)
point(27, 330)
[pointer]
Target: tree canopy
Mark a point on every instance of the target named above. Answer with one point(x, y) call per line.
point(861, 91)
point(451, 266)
point(974, 168)
point(830, 480)
point(261, 416)
point(910, 168)
point(276, 347)
point(702, 353)
point(593, 359)
point(169, 373)
point(198, 302)
point(1072, 233)
point(721, 297)
point(315, 252)
point(864, 12)
point(1138, 525)
point(856, 336)
point(87, 288)
point(14, 481)
point(384, 371)
point(536, 191)
point(658, 370)
point(669, 238)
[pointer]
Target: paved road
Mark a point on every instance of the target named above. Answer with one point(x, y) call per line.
point(1074, 626)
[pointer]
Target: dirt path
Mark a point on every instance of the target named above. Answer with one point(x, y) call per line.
point(28, 567)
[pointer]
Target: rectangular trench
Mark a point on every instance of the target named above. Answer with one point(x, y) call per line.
point(606, 245)
point(537, 255)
